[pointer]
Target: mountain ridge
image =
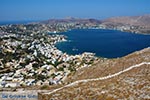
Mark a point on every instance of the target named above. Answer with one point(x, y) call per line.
point(131, 20)
point(71, 20)
point(134, 24)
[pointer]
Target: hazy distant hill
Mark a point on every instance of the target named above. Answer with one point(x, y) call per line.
point(128, 20)
point(136, 24)
point(133, 20)
point(72, 20)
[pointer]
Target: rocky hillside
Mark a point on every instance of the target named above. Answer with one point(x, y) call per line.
point(133, 20)
point(135, 24)
point(139, 24)
point(122, 78)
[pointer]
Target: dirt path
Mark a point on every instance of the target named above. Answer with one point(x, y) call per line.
point(100, 78)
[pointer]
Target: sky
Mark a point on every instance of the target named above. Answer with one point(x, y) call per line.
point(17, 10)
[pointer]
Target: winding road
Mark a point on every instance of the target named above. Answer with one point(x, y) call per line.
point(100, 78)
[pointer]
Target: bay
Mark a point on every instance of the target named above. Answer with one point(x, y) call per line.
point(104, 43)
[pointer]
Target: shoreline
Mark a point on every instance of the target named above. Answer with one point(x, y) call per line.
point(63, 33)
point(39, 49)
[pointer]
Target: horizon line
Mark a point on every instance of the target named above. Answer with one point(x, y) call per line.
point(72, 17)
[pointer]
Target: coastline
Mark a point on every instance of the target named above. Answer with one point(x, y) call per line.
point(43, 44)
point(75, 31)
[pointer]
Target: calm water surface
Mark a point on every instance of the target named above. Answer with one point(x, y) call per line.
point(105, 43)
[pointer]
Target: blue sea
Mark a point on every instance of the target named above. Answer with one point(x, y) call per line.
point(104, 43)
point(16, 22)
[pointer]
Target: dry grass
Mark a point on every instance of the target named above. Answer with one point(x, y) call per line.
point(134, 84)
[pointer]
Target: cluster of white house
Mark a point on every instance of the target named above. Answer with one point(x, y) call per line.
point(52, 73)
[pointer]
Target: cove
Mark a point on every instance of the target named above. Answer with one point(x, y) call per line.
point(104, 43)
